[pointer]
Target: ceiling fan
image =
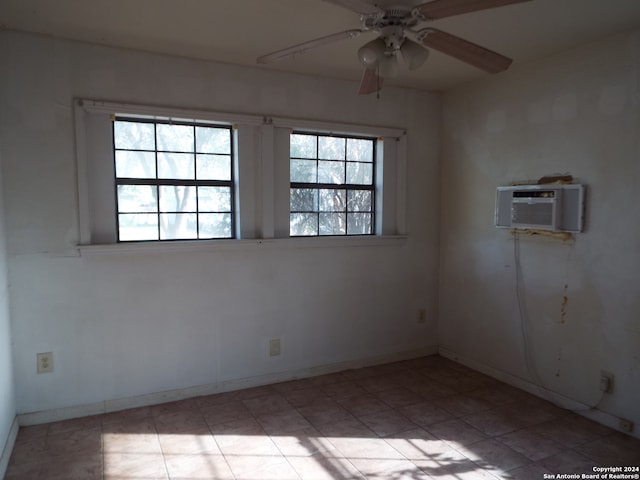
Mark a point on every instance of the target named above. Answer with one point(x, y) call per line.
point(400, 30)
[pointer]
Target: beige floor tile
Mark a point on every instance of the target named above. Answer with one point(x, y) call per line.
point(462, 404)
point(494, 422)
point(531, 444)
point(134, 465)
point(283, 422)
point(261, 467)
point(76, 442)
point(456, 432)
point(136, 443)
point(325, 466)
point(364, 404)
point(418, 444)
point(387, 423)
point(248, 445)
point(302, 443)
point(73, 467)
point(205, 466)
point(493, 455)
point(188, 444)
point(267, 404)
point(425, 413)
point(527, 472)
point(568, 462)
point(399, 397)
point(615, 449)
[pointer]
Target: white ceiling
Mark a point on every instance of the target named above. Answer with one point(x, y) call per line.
point(238, 31)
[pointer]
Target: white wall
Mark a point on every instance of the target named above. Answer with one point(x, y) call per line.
point(7, 394)
point(575, 113)
point(127, 325)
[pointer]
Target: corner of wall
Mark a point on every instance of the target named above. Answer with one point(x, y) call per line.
point(8, 418)
point(5, 453)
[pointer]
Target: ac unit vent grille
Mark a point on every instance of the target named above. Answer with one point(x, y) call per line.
point(532, 214)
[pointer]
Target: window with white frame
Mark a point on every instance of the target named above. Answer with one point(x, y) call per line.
point(332, 184)
point(174, 180)
point(149, 174)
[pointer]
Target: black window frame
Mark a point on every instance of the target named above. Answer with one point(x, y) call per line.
point(158, 182)
point(334, 186)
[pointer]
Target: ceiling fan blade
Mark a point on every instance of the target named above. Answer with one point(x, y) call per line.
point(370, 82)
point(447, 8)
point(358, 6)
point(463, 50)
point(303, 47)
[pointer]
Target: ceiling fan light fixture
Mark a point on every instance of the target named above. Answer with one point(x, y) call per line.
point(414, 55)
point(371, 53)
point(388, 66)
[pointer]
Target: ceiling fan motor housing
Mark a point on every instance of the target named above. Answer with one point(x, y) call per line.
point(391, 24)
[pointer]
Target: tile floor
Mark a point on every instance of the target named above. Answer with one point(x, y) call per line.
point(427, 418)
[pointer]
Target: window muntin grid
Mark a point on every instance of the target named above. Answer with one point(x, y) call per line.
point(173, 180)
point(332, 189)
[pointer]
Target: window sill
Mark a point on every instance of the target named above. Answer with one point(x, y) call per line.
point(227, 245)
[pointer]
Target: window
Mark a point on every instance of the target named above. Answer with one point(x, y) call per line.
point(332, 185)
point(156, 178)
point(174, 180)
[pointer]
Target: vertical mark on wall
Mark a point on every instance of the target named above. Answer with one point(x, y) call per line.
point(563, 306)
point(565, 300)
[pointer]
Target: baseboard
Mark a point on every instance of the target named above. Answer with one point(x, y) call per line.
point(114, 405)
point(578, 407)
point(8, 447)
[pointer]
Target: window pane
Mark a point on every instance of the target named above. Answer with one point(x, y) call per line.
point(332, 224)
point(359, 201)
point(359, 223)
point(175, 138)
point(137, 198)
point(213, 140)
point(182, 196)
point(133, 227)
point(303, 146)
point(359, 173)
point(303, 224)
point(133, 135)
point(342, 161)
point(215, 225)
point(303, 200)
point(213, 167)
point(331, 172)
point(132, 164)
point(332, 200)
point(303, 171)
point(331, 148)
point(359, 150)
point(175, 165)
point(177, 198)
point(214, 199)
point(174, 226)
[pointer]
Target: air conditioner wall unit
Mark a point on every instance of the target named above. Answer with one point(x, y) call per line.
point(557, 208)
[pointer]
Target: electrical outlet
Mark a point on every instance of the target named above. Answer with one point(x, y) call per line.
point(625, 425)
point(422, 315)
point(274, 347)
point(45, 362)
point(606, 382)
